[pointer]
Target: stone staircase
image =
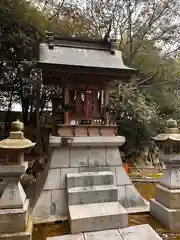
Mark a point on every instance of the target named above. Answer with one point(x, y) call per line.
point(93, 202)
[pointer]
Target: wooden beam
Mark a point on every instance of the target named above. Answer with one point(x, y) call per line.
point(106, 101)
point(66, 101)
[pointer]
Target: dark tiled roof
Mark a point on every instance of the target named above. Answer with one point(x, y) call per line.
point(99, 54)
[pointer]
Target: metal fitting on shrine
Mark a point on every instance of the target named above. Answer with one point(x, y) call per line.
point(65, 141)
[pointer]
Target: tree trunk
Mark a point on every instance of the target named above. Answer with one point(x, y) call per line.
point(8, 113)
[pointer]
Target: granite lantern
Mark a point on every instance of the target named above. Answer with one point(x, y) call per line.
point(166, 205)
point(14, 205)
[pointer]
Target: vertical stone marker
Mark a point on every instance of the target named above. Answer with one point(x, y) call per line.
point(14, 217)
point(166, 205)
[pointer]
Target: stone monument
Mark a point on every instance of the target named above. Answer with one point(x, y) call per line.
point(166, 205)
point(15, 222)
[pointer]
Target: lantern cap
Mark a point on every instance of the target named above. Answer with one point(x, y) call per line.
point(171, 132)
point(16, 139)
point(17, 125)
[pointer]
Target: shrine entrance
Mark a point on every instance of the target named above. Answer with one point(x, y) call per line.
point(84, 106)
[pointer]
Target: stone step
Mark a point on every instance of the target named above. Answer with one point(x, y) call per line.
point(98, 216)
point(143, 232)
point(90, 179)
point(92, 194)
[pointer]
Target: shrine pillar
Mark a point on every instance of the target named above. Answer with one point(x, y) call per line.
point(66, 101)
point(106, 102)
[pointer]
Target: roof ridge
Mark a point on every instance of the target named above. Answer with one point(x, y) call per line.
point(105, 44)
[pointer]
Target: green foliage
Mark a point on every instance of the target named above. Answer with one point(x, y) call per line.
point(144, 29)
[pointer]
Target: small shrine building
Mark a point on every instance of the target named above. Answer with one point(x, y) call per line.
point(84, 143)
point(84, 71)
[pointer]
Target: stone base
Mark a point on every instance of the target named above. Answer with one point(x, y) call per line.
point(86, 130)
point(27, 235)
point(99, 216)
point(168, 217)
point(90, 154)
point(143, 232)
point(168, 197)
point(14, 220)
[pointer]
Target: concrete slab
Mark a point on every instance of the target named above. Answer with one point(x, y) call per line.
point(113, 170)
point(53, 179)
point(79, 236)
point(96, 141)
point(113, 156)
point(122, 177)
point(64, 172)
point(89, 179)
point(103, 235)
point(144, 209)
point(122, 195)
point(59, 202)
point(43, 205)
point(60, 157)
point(143, 232)
point(99, 216)
point(97, 156)
point(92, 194)
point(134, 198)
point(79, 156)
point(49, 220)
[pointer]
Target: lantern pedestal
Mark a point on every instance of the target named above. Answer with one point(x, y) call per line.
point(13, 195)
point(14, 206)
point(166, 205)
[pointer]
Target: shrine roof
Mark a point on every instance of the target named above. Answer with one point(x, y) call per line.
point(98, 54)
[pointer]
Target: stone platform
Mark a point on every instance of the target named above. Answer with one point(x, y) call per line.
point(143, 232)
point(98, 216)
point(85, 154)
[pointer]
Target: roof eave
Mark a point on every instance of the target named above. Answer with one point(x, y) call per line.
point(77, 68)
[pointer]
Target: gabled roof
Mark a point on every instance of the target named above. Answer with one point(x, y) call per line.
point(79, 53)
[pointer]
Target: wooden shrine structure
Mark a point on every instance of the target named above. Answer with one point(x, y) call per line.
point(84, 136)
point(84, 70)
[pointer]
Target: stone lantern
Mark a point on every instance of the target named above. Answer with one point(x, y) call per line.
point(166, 205)
point(13, 202)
